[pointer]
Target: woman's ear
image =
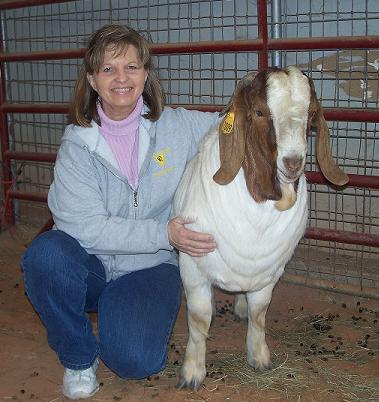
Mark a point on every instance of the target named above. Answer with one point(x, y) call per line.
point(91, 81)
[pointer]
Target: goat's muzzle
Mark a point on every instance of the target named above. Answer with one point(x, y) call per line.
point(293, 164)
point(291, 168)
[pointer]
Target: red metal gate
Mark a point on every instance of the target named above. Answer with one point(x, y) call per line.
point(262, 45)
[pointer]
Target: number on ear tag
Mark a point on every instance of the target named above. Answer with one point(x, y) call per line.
point(227, 123)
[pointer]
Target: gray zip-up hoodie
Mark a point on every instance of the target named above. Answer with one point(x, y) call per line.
point(91, 200)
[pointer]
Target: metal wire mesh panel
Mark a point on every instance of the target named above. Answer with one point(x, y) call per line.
point(37, 132)
point(343, 79)
point(203, 78)
point(308, 18)
point(41, 81)
point(66, 25)
point(346, 79)
point(31, 177)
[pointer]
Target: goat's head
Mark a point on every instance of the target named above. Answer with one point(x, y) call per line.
point(265, 132)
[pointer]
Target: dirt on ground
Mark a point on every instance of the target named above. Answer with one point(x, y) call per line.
point(324, 346)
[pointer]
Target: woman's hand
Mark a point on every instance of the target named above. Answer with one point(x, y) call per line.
point(193, 243)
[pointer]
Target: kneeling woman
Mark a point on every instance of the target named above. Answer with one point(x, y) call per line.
point(112, 248)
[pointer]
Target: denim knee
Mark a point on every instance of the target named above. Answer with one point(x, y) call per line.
point(135, 366)
point(46, 258)
point(136, 317)
point(34, 262)
point(41, 255)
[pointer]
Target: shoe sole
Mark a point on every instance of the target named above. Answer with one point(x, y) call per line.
point(81, 395)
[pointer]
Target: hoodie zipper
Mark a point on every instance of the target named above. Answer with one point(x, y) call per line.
point(135, 202)
point(142, 171)
point(106, 164)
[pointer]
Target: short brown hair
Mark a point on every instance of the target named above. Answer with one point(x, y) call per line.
point(116, 38)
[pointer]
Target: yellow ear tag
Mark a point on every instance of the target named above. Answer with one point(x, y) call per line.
point(227, 123)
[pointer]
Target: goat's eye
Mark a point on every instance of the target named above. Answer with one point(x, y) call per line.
point(258, 113)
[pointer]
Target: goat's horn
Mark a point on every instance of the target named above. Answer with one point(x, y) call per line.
point(324, 155)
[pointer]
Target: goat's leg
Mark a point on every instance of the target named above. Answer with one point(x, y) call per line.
point(240, 306)
point(199, 313)
point(258, 354)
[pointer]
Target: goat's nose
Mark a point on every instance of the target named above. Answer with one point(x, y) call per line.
point(293, 164)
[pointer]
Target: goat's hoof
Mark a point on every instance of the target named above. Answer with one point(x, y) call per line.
point(261, 367)
point(183, 383)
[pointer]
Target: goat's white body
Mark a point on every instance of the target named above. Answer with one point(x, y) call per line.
point(254, 240)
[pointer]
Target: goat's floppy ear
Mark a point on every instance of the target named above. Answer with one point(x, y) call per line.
point(232, 135)
point(323, 151)
point(232, 147)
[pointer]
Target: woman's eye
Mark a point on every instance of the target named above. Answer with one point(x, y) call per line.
point(259, 113)
point(132, 67)
point(107, 69)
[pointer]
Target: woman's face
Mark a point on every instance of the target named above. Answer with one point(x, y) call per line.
point(119, 82)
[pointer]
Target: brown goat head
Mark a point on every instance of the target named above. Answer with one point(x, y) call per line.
point(264, 131)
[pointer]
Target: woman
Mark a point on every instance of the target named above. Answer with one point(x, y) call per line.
point(113, 247)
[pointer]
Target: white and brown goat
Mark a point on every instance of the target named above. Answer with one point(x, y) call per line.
point(246, 186)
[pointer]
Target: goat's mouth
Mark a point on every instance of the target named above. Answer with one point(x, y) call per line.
point(288, 177)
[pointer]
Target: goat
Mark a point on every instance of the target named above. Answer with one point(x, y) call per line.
point(246, 186)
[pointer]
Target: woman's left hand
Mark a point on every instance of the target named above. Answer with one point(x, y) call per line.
point(196, 244)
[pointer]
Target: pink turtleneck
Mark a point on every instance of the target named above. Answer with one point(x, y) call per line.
point(122, 137)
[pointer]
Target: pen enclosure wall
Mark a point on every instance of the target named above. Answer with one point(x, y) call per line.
point(201, 49)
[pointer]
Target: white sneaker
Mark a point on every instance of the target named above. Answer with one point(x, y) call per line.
point(78, 384)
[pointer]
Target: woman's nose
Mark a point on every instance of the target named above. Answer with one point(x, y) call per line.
point(122, 75)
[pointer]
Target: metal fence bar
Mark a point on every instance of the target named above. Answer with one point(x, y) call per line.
point(248, 45)
point(31, 156)
point(331, 285)
point(355, 180)
point(262, 33)
point(8, 4)
point(364, 239)
point(4, 141)
point(332, 114)
point(28, 196)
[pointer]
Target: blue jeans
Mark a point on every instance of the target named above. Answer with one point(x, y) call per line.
point(136, 312)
